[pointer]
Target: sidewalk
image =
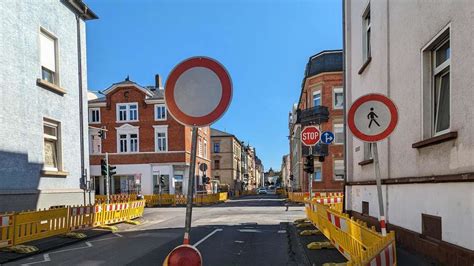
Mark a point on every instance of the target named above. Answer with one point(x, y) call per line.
point(51, 243)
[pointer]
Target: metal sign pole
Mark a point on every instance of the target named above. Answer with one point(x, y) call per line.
point(107, 181)
point(379, 189)
point(189, 204)
point(311, 176)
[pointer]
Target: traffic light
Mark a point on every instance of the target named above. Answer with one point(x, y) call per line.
point(309, 164)
point(112, 170)
point(101, 134)
point(103, 167)
point(162, 180)
point(292, 177)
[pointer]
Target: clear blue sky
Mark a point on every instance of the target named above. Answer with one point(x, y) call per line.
point(264, 44)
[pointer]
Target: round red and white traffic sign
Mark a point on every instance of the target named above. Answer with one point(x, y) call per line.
point(184, 255)
point(198, 91)
point(372, 117)
point(310, 135)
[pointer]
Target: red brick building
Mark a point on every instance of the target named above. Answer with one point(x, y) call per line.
point(320, 104)
point(150, 149)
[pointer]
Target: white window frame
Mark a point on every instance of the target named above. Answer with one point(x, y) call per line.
point(214, 147)
point(336, 90)
point(334, 128)
point(335, 162)
point(91, 112)
point(94, 133)
point(161, 129)
point(320, 98)
point(200, 147)
point(48, 34)
point(366, 38)
point(57, 138)
point(320, 166)
point(160, 105)
point(128, 130)
point(428, 82)
point(441, 70)
point(127, 112)
point(205, 148)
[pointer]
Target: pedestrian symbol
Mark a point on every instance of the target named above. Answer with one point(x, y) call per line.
point(372, 117)
point(327, 137)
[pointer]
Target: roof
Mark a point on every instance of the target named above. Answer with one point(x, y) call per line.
point(220, 133)
point(324, 61)
point(82, 9)
point(152, 92)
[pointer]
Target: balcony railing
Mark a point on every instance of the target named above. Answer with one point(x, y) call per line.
point(315, 115)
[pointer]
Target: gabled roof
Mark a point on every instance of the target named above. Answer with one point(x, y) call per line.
point(127, 83)
point(220, 133)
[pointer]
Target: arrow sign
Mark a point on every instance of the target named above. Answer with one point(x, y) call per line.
point(327, 137)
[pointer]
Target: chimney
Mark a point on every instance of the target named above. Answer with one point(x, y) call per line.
point(158, 84)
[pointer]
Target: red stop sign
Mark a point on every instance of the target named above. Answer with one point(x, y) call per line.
point(184, 255)
point(310, 136)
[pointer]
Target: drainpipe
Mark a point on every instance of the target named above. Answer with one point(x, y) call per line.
point(344, 102)
point(81, 109)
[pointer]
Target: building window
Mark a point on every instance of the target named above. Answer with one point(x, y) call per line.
point(338, 133)
point(48, 55)
point(127, 112)
point(318, 173)
point(338, 98)
point(217, 164)
point(161, 138)
point(365, 208)
point(367, 150)
point(205, 148)
point(316, 98)
point(366, 53)
point(94, 115)
point(160, 112)
point(128, 142)
point(431, 226)
point(217, 147)
point(95, 142)
point(339, 169)
point(52, 145)
point(441, 64)
point(200, 147)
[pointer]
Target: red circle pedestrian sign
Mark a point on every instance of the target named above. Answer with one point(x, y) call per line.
point(198, 91)
point(372, 117)
point(310, 135)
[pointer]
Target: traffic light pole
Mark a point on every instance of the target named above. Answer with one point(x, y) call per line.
point(192, 171)
point(107, 181)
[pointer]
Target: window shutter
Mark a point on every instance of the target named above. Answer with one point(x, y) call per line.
point(48, 59)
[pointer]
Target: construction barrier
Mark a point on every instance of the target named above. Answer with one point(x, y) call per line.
point(297, 196)
point(178, 199)
point(115, 198)
point(6, 230)
point(23, 227)
point(358, 243)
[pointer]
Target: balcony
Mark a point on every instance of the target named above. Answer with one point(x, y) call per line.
point(319, 149)
point(314, 115)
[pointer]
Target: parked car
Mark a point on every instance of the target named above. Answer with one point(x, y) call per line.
point(261, 191)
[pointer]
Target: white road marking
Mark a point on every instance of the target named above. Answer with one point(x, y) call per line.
point(249, 231)
point(108, 238)
point(206, 237)
point(45, 259)
point(239, 241)
point(281, 231)
point(88, 245)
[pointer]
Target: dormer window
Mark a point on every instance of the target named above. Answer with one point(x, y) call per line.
point(127, 112)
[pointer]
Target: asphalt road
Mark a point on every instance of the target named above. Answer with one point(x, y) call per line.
point(248, 231)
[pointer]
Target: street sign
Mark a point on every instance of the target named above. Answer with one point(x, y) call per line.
point(203, 167)
point(184, 255)
point(327, 137)
point(372, 117)
point(198, 91)
point(310, 136)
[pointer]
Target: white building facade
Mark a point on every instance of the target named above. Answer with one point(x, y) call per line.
point(44, 87)
point(421, 55)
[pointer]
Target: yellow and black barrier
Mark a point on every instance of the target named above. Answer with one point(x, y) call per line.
point(358, 243)
point(27, 226)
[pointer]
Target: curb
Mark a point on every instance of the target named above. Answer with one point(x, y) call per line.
point(299, 249)
point(65, 244)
